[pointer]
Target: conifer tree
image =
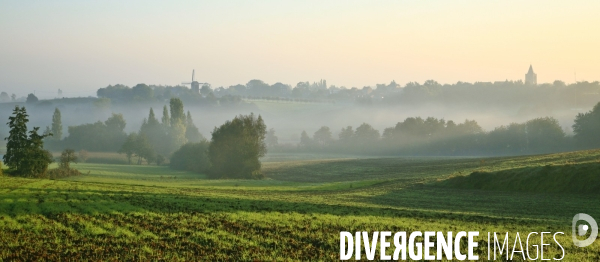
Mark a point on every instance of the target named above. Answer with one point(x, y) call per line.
point(57, 125)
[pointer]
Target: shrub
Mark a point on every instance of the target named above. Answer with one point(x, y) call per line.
point(191, 157)
point(62, 172)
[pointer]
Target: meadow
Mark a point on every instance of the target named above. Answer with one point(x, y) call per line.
point(130, 212)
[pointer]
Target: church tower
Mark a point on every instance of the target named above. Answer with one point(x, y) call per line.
point(531, 77)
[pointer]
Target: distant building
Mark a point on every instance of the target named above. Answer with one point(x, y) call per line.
point(531, 77)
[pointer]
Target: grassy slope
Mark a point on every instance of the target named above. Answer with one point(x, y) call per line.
point(149, 212)
point(576, 173)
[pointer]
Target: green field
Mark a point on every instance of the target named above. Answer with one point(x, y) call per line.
point(129, 212)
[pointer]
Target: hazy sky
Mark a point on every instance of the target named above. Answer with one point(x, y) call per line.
point(80, 46)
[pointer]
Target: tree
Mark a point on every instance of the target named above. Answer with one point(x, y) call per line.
point(17, 143)
point(271, 139)
point(177, 114)
point(142, 92)
point(587, 128)
point(544, 134)
point(4, 97)
point(192, 157)
point(165, 118)
point(57, 125)
point(346, 134)
point(13, 97)
point(129, 147)
point(323, 136)
point(305, 141)
point(236, 147)
point(31, 98)
point(66, 157)
point(25, 154)
point(205, 90)
point(176, 136)
point(366, 134)
point(137, 145)
point(100, 136)
point(36, 159)
point(155, 133)
point(144, 150)
point(115, 123)
point(191, 131)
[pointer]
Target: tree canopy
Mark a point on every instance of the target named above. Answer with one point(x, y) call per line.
point(236, 147)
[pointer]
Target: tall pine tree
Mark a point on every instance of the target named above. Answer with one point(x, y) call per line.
point(16, 142)
point(57, 125)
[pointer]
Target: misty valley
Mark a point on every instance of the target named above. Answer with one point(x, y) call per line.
point(262, 172)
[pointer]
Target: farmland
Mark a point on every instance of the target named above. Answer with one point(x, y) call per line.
point(126, 212)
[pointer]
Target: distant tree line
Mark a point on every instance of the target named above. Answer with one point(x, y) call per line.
point(158, 93)
point(437, 137)
point(432, 136)
point(489, 94)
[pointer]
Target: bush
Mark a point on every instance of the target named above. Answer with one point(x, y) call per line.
point(61, 172)
point(191, 157)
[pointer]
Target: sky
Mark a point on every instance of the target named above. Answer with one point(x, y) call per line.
point(80, 46)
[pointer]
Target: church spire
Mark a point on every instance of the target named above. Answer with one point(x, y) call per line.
point(531, 77)
point(530, 70)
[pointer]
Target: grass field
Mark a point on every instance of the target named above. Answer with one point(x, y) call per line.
point(122, 212)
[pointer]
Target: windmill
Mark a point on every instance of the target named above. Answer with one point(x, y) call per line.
point(194, 84)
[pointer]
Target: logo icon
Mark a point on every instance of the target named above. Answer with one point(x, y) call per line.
point(583, 229)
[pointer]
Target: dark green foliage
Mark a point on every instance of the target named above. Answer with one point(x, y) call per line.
point(25, 154)
point(142, 92)
point(129, 146)
point(587, 128)
point(156, 133)
point(31, 98)
point(177, 114)
point(57, 125)
point(192, 157)
point(160, 159)
point(64, 167)
point(567, 178)
point(137, 145)
point(66, 157)
point(16, 145)
point(236, 147)
point(61, 172)
point(37, 159)
point(165, 117)
point(99, 136)
point(540, 135)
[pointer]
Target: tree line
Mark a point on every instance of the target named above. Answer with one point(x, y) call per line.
point(500, 94)
point(432, 136)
